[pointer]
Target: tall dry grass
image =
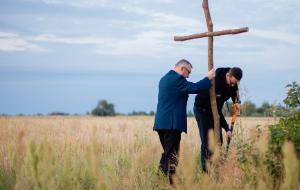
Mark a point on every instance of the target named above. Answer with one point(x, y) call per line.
point(121, 153)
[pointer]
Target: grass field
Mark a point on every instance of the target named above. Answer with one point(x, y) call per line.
point(121, 153)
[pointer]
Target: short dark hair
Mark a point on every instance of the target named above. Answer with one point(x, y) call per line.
point(183, 62)
point(236, 72)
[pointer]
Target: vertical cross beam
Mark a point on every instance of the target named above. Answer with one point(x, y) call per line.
point(212, 92)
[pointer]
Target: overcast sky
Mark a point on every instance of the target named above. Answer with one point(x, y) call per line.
point(65, 55)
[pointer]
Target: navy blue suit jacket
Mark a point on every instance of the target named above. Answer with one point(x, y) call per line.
point(172, 100)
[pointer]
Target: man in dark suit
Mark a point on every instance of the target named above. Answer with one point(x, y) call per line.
point(171, 117)
point(226, 86)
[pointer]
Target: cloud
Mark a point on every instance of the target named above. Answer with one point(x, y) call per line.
point(156, 19)
point(78, 3)
point(79, 40)
point(166, 21)
point(153, 34)
point(147, 43)
point(277, 36)
point(151, 18)
point(104, 3)
point(10, 42)
point(150, 43)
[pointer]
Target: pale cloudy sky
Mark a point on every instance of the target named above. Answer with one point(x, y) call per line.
point(65, 55)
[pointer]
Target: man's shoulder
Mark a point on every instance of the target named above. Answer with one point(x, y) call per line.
point(172, 75)
point(172, 78)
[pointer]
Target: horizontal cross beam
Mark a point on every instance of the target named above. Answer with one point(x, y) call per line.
point(209, 34)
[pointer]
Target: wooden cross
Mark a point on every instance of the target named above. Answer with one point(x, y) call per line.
point(210, 34)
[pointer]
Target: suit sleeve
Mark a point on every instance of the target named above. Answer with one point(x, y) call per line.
point(187, 87)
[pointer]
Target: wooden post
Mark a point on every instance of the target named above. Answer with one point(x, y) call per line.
point(212, 92)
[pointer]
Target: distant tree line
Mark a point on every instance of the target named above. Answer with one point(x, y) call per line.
point(58, 113)
point(151, 113)
point(248, 108)
point(266, 109)
point(104, 108)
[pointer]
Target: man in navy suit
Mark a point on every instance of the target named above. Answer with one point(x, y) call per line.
point(171, 117)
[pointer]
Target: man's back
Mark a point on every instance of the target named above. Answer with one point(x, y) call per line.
point(172, 100)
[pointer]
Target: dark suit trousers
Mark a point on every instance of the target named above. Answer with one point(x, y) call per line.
point(170, 141)
point(205, 123)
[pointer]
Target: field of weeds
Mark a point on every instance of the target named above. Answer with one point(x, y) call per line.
point(123, 153)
